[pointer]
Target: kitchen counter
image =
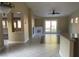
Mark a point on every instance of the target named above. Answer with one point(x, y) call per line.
point(67, 36)
point(66, 45)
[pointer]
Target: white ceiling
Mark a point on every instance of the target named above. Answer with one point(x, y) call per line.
point(43, 8)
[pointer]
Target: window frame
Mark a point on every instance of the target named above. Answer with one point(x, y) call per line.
point(16, 19)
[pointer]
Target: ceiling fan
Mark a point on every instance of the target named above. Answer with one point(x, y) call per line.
point(6, 4)
point(54, 12)
point(5, 7)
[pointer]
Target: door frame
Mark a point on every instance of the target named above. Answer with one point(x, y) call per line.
point(50, 25)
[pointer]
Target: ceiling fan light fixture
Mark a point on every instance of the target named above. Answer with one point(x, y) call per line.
point(54, 12)
point(5, 7)
point(6, 4)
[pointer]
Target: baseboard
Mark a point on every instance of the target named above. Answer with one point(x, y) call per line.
point(61, 55)
point(26, 41)
point(15, 42)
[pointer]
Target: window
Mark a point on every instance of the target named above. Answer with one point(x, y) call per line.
point(51, 26)
point(72, 21)
point(76, 20)
point(14, 24)
point(4, 23)
point(47, 26)
point(75, 35)
point(17, 24)
point(16, 21)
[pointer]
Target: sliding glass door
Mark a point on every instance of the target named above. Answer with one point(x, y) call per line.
point(50, 26)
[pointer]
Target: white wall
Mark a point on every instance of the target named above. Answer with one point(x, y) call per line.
point(62, 23)
point(74, 28)
point(18, 36)
point(26, 32)
point(64, 47)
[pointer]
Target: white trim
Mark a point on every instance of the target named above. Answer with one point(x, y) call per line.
point(14, 42)
point(26, 41)
point(60, 53)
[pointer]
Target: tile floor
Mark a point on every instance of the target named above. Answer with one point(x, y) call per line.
point(32, 50)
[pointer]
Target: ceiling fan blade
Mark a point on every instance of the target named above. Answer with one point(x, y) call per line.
point(50, 13)
point(53, 13)
point(57, 13)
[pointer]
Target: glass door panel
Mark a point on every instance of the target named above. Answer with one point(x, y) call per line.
point(47, 26)
point(50, 26)
point(53, 26)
